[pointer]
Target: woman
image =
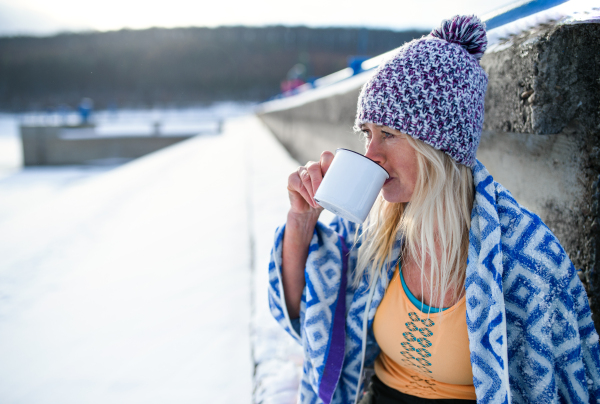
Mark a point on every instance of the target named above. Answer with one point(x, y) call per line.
point(450, 289)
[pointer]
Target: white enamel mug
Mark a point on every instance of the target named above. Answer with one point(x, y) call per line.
point(351, 185)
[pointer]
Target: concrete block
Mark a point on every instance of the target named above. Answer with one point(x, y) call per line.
point(35, 139)
point(50, 145)
point(323, 124)
point(542, 114)
point(542, 80)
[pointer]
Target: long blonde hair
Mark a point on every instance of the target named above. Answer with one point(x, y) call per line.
point(434, 224)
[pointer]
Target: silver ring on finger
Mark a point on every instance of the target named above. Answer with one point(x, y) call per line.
point(301, 171)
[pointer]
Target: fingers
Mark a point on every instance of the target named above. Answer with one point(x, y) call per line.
point(300, 197)
point(305, 187)
point(307, 179)
point(309, 174)
point(326, 159)
point(317, 171)
point(316, 176)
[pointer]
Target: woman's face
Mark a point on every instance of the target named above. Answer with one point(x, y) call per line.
point(391, 150)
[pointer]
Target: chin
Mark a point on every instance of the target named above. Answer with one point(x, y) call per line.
point(394, 197)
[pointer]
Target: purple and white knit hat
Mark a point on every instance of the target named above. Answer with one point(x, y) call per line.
point(433, 89)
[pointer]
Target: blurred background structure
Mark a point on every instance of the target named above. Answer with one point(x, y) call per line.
point(176, 67)
point(144, 158)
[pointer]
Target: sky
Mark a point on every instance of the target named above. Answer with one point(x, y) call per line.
point(43, 17)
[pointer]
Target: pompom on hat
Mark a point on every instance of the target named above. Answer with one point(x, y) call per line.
point(433, 89)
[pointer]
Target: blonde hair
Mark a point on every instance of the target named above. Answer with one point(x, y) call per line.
point(434, 225)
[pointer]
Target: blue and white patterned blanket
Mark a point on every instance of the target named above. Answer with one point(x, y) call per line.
point(531, 336)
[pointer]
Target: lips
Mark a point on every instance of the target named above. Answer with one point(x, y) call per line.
point(388, 181)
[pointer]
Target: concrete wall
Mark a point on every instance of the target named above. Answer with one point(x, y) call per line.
point(46, 145)
point(323, 124)
point(541, 137)
point(542, 118)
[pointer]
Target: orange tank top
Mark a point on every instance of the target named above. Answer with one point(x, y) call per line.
point(422, 354)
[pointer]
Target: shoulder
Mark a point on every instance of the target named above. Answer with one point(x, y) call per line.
point(535, 263)
point(516, 221)
point(520, 228)
point(528, 245)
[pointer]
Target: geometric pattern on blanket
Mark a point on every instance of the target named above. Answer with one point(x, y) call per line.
point(531, 335)
point(552, 346)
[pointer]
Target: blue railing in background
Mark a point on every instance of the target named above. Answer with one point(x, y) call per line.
point(518, 10)
point(497, 18)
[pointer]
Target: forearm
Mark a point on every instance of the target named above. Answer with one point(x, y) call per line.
point(299, 230)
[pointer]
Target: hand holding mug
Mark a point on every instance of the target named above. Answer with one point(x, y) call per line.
point(351, 186)
point(304, 182)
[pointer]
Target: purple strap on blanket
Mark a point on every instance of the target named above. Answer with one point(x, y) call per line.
point(336, 351)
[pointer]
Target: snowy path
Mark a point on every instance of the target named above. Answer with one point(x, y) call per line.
point(134, 286)
point(278, 357)
point(147, 283)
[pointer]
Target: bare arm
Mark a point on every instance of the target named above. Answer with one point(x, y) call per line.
point(301, 221)
point(298, 233)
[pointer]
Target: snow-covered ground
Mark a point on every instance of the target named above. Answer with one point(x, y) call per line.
point(11, 152)
point(277, 356)
point(146, 282)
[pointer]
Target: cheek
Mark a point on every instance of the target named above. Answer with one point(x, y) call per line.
point(410, 172)
point(413, 173)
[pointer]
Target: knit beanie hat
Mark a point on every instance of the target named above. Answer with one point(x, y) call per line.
point(433, 89)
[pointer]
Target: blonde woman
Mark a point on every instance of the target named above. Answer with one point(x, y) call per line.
point(450, 290)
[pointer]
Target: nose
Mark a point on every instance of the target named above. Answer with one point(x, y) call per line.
point(374, 152)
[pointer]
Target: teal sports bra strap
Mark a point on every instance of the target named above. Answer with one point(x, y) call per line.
point(414, 300)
